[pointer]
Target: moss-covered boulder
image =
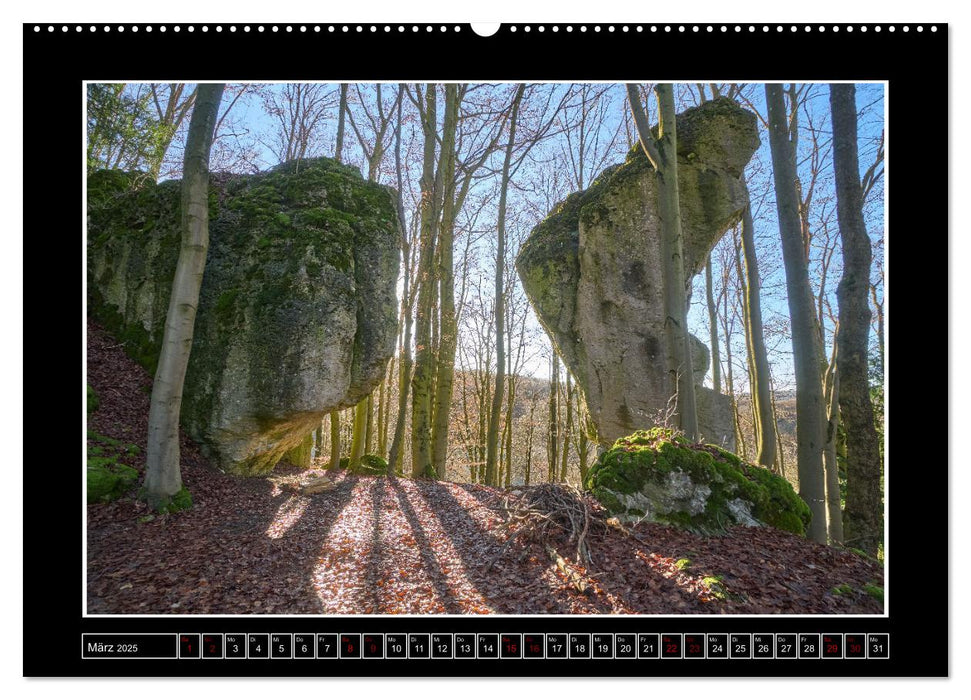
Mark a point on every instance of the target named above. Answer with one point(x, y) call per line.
point(659, 476)
point(592, 271)
point(297, 312)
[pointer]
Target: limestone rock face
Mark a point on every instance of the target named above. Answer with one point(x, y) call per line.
point(297, 313)
point(592, 271)
point(656, 476)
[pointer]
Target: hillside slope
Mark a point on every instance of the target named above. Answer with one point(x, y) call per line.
point(379, 545)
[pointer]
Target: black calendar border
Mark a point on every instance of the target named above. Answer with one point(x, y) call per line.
point(915, 64)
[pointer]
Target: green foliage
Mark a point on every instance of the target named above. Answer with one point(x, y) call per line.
point(842, 589)
point(108, 479)
point(93, 400)
point(648, 457)
point(123, 128)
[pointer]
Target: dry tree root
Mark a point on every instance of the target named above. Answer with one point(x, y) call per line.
point(538, 513)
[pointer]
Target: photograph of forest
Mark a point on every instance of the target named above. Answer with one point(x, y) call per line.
point(485, 348)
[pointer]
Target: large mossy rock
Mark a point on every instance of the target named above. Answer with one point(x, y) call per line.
point(297, 314)
point(658, 476)
point(592, 271)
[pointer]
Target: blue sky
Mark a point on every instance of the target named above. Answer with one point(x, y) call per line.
point(250, 128)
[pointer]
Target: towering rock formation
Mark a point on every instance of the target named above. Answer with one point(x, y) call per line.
point(592, 270)
point(297, 314)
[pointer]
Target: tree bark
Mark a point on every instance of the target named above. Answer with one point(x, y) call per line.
point(422, 381)
point(553, 439)
point(335, 441)
point(716, 373)
point(663, 154)
point(448, 325)
point(358, 437)
point(492, 437)
point(762, 390)
point(341, 112)
point(163, 475)
point(831, 388)
point(864, 501)
point(404, 365)
point(567, 427)
point(810, 434)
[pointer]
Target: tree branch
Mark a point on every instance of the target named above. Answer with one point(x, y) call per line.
point(643, 128)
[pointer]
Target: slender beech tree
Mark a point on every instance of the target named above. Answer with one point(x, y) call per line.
point(407, 304)
point(663, 155)
point(761, 389)
point(553, 431)
point(448, 324)
point(492, 438)
point(341, 115)
point(716, 373)
point(831, 390)
point(864, 502)
point(810, 434)
point(358, 435)
point(163, 474)
point(424, 375)
point(335, 441)
point(567, 427)
point(372, 145)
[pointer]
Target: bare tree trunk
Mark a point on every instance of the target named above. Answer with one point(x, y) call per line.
point(422, 381)
point(831, 388)
point(729, 369)
point(878, 307)
point(663, 154)
point(528, 467)
point(383, 390)
point(761, 391)
point(358, 436)
point(567, 426)
point(341, 112)
point(492, 438)
point(864, 501)
point(448, 326)
point(335, 441)
point(554, 418)
point(163, 474)
point(510, 404)
point(716, 369)
point(319, 439)
point(810, 434)
point(369, 426)
point(404, 365)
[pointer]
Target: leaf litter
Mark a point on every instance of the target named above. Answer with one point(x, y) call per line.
point(379, 545)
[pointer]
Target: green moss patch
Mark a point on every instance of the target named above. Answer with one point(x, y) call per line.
point(93, 400)
point(170, 504)
point(108, 479)
point(371, 465)
point(659, 475)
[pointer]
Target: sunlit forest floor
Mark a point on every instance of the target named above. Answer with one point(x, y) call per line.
point(380, 545)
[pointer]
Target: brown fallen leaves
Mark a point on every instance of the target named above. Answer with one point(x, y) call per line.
point(379, 545)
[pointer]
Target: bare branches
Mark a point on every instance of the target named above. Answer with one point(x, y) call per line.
point(643, 127)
